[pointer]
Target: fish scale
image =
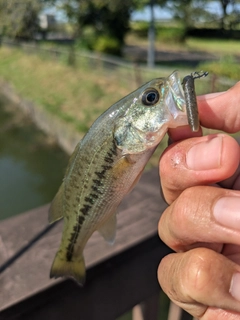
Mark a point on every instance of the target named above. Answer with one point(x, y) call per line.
point(106, 165)
point(95, 188)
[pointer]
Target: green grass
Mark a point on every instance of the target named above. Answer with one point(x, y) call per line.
point(77, 96)
point(220, 47)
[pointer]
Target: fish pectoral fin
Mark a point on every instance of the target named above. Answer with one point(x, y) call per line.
point(74, 268)
point(56, 208)
point(135, 181)
point(122, 165)
point(108, 229)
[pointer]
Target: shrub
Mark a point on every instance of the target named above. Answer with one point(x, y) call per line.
point(140, 28)
point(171, 34)
point(87, 38)
point(107, 44)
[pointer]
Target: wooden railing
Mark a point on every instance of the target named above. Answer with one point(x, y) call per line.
point(120, 278)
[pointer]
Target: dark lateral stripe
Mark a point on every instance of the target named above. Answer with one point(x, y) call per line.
point(106, 167)
point(114, 150)
point(89, 199)
point(74, 236)
point(69, 252)
point(72, 241)
point(108, 160)
point(101, 175)
point(93, 195)
point(81, 220)
point(98, 182)
point(94, 188)
point(85, 209)
point(76, 229)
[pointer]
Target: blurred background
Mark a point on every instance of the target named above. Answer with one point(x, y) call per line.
point(64, 62)
point(73, 59)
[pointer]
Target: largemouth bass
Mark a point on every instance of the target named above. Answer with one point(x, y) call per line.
point(106, 165)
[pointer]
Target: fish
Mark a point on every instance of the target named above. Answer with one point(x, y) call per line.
point(106, 165)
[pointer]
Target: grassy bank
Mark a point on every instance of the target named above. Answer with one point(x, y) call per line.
point(75, 96)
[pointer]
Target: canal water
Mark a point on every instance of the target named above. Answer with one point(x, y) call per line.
point(31, 164)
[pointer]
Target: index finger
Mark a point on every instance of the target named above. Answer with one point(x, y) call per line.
point(220, 110)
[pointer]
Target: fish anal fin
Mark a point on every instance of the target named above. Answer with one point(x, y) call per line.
point(108, 229)
point(56, 208)
point(74, 268)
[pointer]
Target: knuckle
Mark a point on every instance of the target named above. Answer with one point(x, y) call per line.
point(167, 276)
point(197, 273)
point(183, 210)
point(181, 223)
point(187, 206)
point(232, 123)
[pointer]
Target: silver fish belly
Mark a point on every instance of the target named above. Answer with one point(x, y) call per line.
point(106, 165)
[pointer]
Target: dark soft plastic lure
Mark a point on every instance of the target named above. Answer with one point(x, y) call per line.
point(190, 98)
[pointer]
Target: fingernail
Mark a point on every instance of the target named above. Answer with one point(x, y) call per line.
point(205, 155)
point(235, 286)
point(226, 212)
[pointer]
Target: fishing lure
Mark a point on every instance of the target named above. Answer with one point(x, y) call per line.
point(190, 98)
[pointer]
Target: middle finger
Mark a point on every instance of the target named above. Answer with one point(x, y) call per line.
point(202, 215)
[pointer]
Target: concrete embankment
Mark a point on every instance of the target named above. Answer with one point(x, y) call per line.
point(64, 134)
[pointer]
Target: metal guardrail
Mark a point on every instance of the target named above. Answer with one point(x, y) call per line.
point(133, 73)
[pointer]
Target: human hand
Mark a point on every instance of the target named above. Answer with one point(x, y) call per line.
point(202, 222)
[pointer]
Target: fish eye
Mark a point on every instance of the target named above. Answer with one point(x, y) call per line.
point(150, 97)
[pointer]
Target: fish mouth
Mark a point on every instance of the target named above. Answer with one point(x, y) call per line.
point(175, 99)
point(176, 89)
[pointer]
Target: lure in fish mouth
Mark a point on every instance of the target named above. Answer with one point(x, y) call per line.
point(106, 165)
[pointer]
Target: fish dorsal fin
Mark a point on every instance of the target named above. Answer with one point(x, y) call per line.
point(108, 229)
point(56, 209)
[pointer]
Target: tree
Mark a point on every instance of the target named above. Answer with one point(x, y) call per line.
point(229, 19)
point(188, 11)
point(100, 24)
point(19, 18)
point(106, 17)
point(99, 20)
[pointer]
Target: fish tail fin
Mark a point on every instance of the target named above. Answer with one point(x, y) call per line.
point(74, 268)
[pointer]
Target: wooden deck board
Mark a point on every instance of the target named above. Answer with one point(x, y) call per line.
point(137, 221)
